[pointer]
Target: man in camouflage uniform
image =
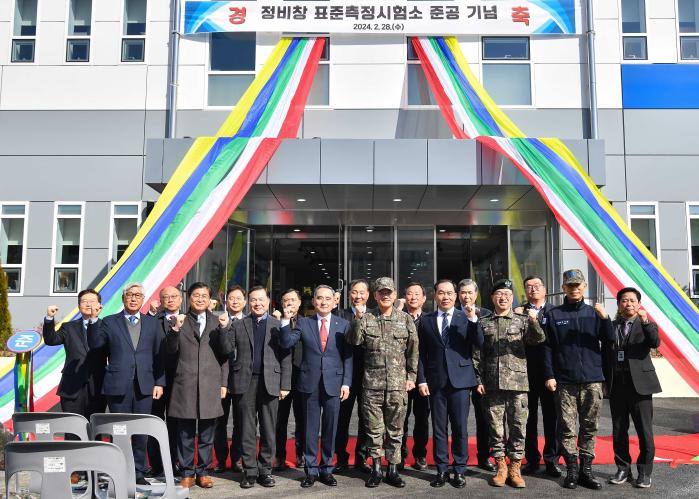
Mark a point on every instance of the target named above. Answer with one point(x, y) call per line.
point(501, 372)
point(389, 339)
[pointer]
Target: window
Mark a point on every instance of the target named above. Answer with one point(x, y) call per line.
point(419, 91)
point(231, 67)
point(79, 30)
point(693, 222)
point(633, 20)
point(13, 243)
point(320, 90)
point(133, 44)
point(126, 217)
point(688, 20)
point(67, 247)
point(643, 220)
point(509, 81)
point(689, 48)
point(24, 38)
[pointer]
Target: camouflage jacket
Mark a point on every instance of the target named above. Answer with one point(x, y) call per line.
point(501, 363)
point(390, 349)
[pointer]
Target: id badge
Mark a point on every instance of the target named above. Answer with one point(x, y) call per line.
point(620, 356)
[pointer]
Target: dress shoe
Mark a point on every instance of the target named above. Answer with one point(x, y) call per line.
point(300, 461)
point(420, 464)
point(376, 476)
point(341, 466)
point(266, 480)
point(248, 482)
point(154, 472)
point(141, 480)
point(622, 475)
point(328, 479)
point(219, 468)
point(393, 478)
point(531, 467)
point(187, 482)
point(205, 482)
point(486, 465)
point(308, 481)
point(552, 469)
point(361, 464)
point(440, 480)
point(280, 466)
point(459, 480)
point(236, 467)
point(643, 482)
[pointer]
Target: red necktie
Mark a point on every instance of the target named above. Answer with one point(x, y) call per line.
point(323, 335)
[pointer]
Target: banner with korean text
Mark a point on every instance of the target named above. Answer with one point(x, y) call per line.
point(456, 17)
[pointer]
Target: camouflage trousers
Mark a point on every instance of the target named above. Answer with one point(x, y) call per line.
point(384, 414)
point(511, 408)
point(578, 403)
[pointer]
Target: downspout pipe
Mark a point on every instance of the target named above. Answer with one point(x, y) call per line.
point(172, 69)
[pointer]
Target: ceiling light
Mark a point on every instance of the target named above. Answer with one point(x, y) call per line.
point(301, 200)
point(442, 230)
point(313, 252)
point(397, 200)
point(370, 230)
point(369, 252)
point(297, 230)
point(494, 200)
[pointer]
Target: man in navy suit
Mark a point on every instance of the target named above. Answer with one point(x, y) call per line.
point(324, 380)
point(134, 375)
point(445, 374)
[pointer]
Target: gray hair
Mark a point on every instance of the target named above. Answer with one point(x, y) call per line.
point(130, 286)
point(468, 282)
point(323, 286)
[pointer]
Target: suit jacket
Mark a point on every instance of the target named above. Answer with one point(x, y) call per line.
point(451, 361)
point(83, 365)
point(357, 352)
point(276, 359)
point(127, 363)
point(333, 366)
point(641, 339)
point(535, 353)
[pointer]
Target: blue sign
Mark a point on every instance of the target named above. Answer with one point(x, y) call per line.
point(24, 341)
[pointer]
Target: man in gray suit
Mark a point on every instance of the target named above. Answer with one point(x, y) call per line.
point(261, 377)
point(199, 384)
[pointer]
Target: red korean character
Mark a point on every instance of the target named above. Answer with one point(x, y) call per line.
point(237, 15)
point(520, 15)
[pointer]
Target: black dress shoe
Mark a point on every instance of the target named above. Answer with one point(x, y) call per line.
point(530, 468)
point(266, 480)
point(643, 482)
point(248, 482)
point(300, 461)
point(420, 464)
point(141, 480)
point(552, 469)
point(219, 468)
point(622, 475)
point(280, 465)
point(459, 480)
point(341, 467)
point(236, 467)
point(441, 479)
point(328, 479)
point(486, 465)
point(308, 481)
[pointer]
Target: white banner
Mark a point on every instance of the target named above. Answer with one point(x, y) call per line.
point(450, 17)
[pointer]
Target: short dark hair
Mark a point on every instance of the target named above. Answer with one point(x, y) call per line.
point(90, 291)
point(414, 283)
point(198, 285)
point(358, 281)
point(629, 289)
point(442, 281)
point(531, 278)
point(236, 287)
point(291, 290)
point(258, 288)
point(323, 286)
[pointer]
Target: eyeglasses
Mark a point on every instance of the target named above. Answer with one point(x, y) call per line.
point(534, 286)
point(137, 296)
point(498, 294)
point(199, 297)
point(170, 297)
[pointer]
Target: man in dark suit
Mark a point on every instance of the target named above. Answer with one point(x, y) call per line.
point(468, 294)
point(134, 375)
point(631, 382)
point(359, 294)
point(235, 304)
point(291, 299)
point(261, 377)
point(536, 300)
point(445, 374)
point(324, 381)
point(199, 384)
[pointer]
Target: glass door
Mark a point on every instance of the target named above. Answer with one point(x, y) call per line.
point(370, 253)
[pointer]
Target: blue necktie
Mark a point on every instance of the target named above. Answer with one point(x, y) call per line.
point(133, 320)
point(202, 323)
point(445, 325)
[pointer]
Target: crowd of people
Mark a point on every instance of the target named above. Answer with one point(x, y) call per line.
point(196, 368)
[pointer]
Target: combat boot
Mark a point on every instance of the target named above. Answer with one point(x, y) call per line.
point(393, 478)
point(514, 474)
point(586, 478)
point(571, 479)
point(374, 479)
point(500, 476)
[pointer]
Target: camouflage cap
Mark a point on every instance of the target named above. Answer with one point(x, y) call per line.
point(501, 284)
point(573, 276)
point(384, 283)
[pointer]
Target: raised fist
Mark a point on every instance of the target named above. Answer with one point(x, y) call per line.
point(223, 320)
point(51, 310)
point(277, 314)
point(519, 310)
point(601, 312)
point(533, 315)
point(401, 303)
point(154, 306)
point(643, 315)
point(360, 310)
point(180, 320)
point(288, 313)
point(470, 311)
point(212, 305)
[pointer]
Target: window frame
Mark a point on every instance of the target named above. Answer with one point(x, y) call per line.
point(493, 62)
point(413, 62)
point(112, 223)
point(324, 62)
point(79, 265)
point(693, 293)
point(655, 216)
point(209, 72)
point(23, 265)
point(124, 36)
point(22, 38)
point(70, 37)
point(632, 35)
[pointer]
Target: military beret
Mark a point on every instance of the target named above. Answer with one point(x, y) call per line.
point(501, 284)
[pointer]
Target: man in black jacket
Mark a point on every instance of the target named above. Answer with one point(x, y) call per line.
point(631, 383)
point(573, 369)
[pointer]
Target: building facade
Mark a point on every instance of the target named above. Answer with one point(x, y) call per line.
point(373, 185)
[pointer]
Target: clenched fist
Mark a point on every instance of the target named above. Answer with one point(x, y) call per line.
point(154, 306)
point(643, 315)
point(277, 314)
point(223, 320)
point(601, 312)
point(179, 321)
point(533, 315)
point(51, 311)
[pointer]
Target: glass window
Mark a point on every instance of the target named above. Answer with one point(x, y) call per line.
point(12, 234)
point(320, 90)
point(78, 50)
point(508, 84)
point(688, 14)
point(371, 250)
point(133, 50)
point(412, 54)
point(419, 91)
point(642, 209)
point(70, 209)
point(25, 18)
point(693, 211)
point(643, 222)
point(65, 280)
point(23, 50)
point(67, 249)
point(135, 17)
point(694, 231)
point(125, 222)
point(68, 241)
point(79, 17)
point(527, 257)
point(416, 260)
point(506, 48)
point(635, 48)
point(232, 52)
point(325, 54)
point(689, 48)
point(226, 89)
point(633, 16)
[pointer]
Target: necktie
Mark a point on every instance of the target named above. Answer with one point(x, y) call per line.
point(627, 328)
point(133, 320)
point(445, 325)
point(323, 335)
point(202, 322)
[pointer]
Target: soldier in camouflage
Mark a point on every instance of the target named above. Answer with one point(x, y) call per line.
point(389, 339)
point(501, 373)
